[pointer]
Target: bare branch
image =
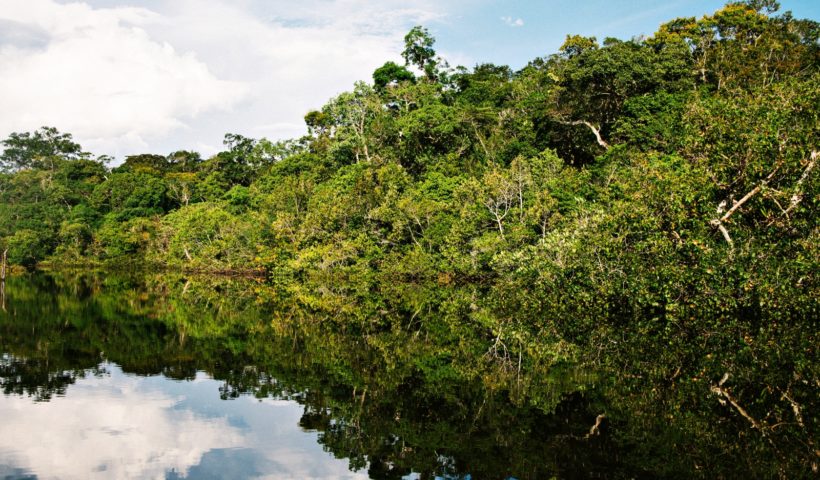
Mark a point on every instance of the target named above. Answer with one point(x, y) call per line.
point(740, 202)
point(595, 130)
point(596, 429)
point(722, 392)
point(795, 408)
point(798, 194)
point(718, 222)
point(597, 134)
point(719, 225)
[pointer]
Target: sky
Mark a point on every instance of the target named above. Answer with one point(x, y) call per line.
point(122, 426)
point(155, 76)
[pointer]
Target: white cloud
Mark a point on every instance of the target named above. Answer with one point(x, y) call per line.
point(294, 57)
point(183, 73)
point(124, 426)
point(104, 429)
point(511, 22)
point(98, 74)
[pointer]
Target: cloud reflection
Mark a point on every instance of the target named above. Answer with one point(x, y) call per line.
point(107, 428)
point(122, 426)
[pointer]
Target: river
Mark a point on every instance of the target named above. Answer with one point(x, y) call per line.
point(113, 375)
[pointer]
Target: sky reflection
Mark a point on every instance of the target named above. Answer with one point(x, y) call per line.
point(123, 426)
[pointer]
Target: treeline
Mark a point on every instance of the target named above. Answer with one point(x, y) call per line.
point(652, 174)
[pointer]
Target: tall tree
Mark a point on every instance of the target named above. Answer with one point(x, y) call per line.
point(38, 150)
point(419, 52)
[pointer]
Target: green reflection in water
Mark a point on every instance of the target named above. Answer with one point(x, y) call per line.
point(425, 378)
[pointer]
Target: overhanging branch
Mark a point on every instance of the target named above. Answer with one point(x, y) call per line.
point(595, 130)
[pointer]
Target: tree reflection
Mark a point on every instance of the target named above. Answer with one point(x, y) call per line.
point(399, 380)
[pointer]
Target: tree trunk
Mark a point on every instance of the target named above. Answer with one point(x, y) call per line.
point(3, 281)
point(3, 267)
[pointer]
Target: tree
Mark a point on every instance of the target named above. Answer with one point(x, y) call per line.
point(500, 193)
point(486, 85)
point(181, 186)
point(575, 45)
point(27, 247)
point(419, 52)
point(184, 161)
point(390, 74)
point(595, 82)
point(237, 164)
point(318, 123)
point(38, 150)
point(208, 235)
point(350, 114)
point(145, 163)
point(131, 195)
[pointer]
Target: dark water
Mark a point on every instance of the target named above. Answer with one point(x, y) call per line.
point(162, 376)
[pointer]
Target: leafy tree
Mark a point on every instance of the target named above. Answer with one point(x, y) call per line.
point(419, 52)
point(575, 45)
point(205, 235)
point(184, 161)
point(119, 237)
point(27, 247)
point(145, 163)
point(131, 195)
point(390, 74)
point(38, 150)
point(318, 122)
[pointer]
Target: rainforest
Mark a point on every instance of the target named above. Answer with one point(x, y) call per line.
point(622, 235)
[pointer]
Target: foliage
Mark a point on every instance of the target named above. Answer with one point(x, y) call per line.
point(419, 52)
point(430, 378)
point(641, 194)
point(390, 74)
point(39, 149)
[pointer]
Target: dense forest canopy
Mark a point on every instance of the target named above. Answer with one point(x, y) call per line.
point(683, 162)
point(661, 191)
point(697, 144)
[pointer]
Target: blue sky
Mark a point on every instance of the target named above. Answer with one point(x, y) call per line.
point(139, 76)
point(480, 33)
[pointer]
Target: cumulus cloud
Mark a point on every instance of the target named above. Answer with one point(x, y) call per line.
point(123, 426)
point(21, 35)
point(511, 22)
point(181, 74)
point(293, 56)
point(106, 429)
point(98, 74)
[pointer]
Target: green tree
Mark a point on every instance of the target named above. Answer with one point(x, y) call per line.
point(40, 149)
point(389, 74)
point(129, 195)
point(27, 247)
point(419, 52)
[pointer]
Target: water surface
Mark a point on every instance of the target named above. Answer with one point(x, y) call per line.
point(168, 376)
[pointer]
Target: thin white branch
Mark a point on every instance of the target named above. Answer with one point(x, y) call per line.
point(722, 392)
point(718, 222)
point(595, 130)
point(798, 193)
